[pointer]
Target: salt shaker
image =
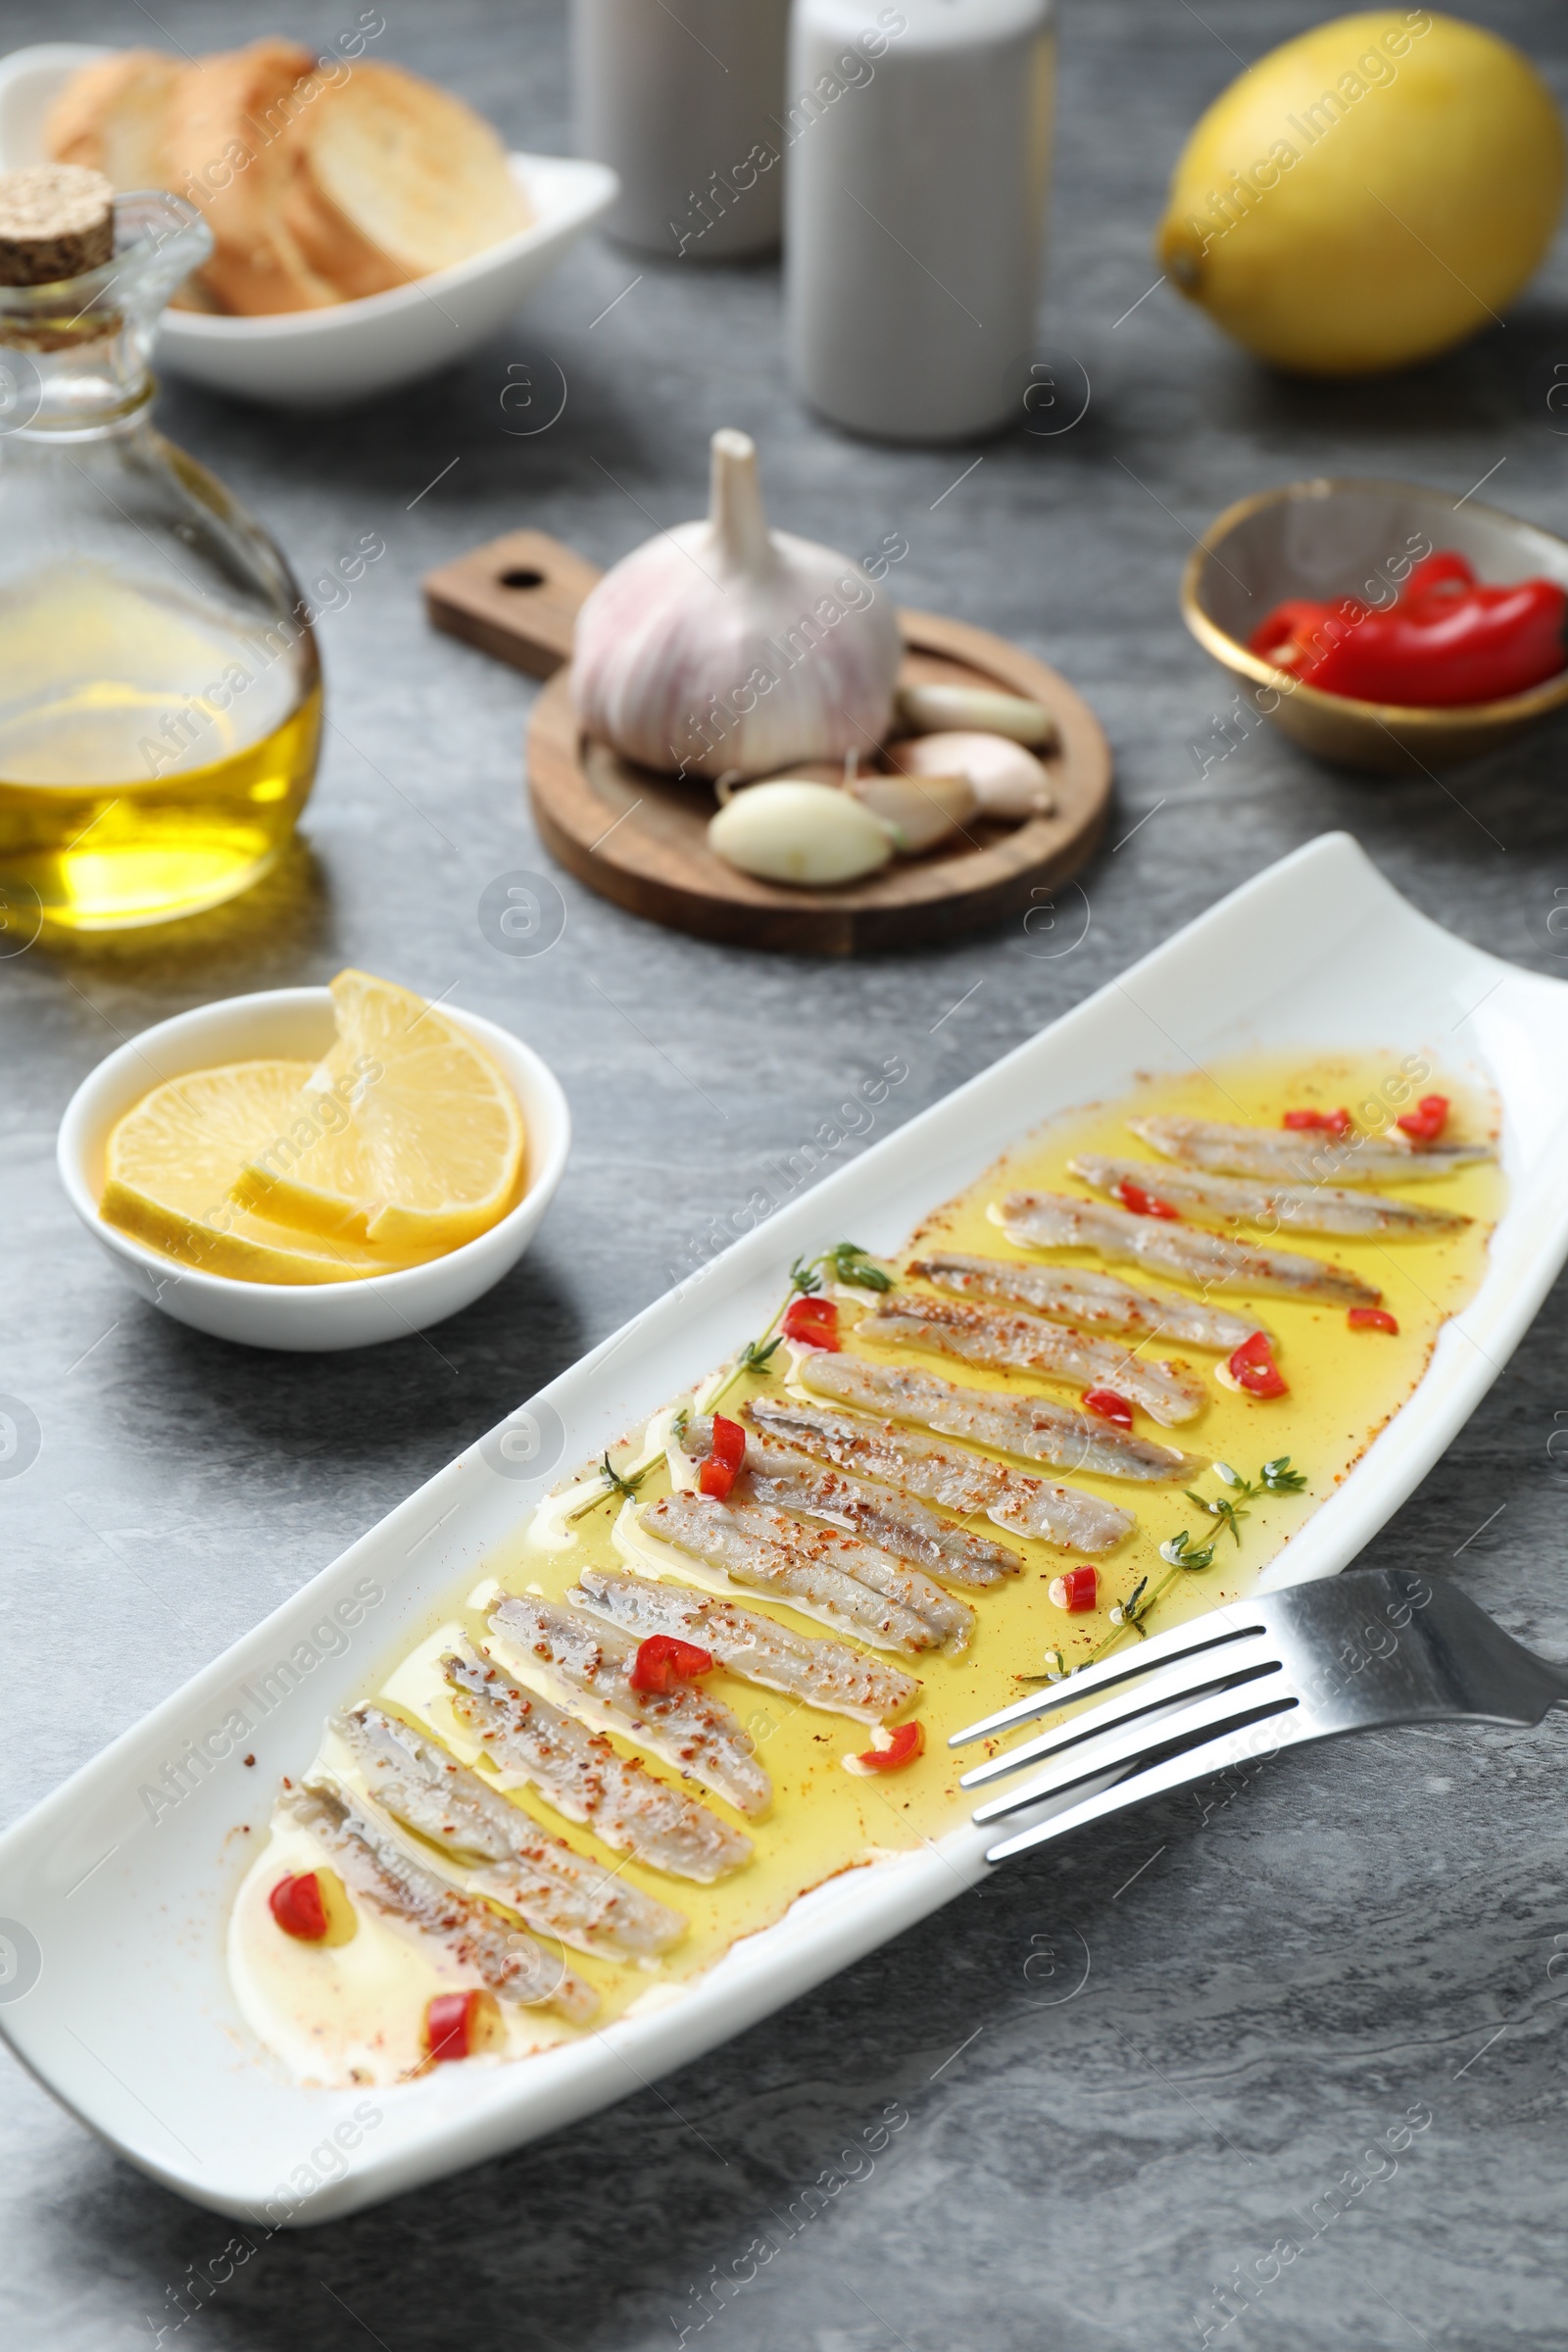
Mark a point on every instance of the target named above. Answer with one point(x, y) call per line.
point(684, 104)
point(917, 144)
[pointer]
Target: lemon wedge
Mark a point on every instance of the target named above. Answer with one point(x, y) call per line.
point(170, 1162)
point(406, 1136)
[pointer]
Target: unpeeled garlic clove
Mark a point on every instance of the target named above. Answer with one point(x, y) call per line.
point(917, 813)
point(790, 830)
point(1010, 784)
point(938, 709)
point(723, 645)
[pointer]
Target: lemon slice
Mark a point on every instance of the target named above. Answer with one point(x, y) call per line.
point(431, 1153)
point(170, 1162)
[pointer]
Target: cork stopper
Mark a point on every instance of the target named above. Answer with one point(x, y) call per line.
point(56, 220)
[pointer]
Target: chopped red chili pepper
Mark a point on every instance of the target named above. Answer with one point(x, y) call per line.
point(1427, 1121)
point(1371, 1318)
point(1108, 1406)
point(297, 1905)
point(458, 2025)
point(1076, 1590)
point(1447, 638)
point(906, 1745)
point(1331, 1122)
point(812, 1323)
point(663, 1660)
point(1253, 1367)
point(1143, 1204)
point(718, 1473)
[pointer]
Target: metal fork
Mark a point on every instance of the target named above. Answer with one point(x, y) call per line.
point(1351, 1654)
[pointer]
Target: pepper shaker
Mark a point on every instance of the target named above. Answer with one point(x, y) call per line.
point(917, 145)
point(684, 105)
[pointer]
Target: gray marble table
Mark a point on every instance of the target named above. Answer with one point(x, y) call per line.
point(1134, 2070)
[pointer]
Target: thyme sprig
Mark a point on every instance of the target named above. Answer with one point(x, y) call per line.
point(849, 1264)
point(1183, 1556)
point(616, 1482)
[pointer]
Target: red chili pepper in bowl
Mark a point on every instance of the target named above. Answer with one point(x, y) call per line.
point(1106, 1405)
point(313, 1906)
point(1075, 1590)
point(1253, 1367)
point(906, 1745)
point(1143, 1204)
point(718, 1473)
point(1427, 1121)
point(1448, 639)
point(1371, 1318)
point(663, 1660)
point(459, 2024)
point(812, 1323)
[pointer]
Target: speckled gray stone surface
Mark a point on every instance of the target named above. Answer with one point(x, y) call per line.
point(1131, 2067)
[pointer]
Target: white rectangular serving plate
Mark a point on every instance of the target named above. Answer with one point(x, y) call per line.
point(112, 1981)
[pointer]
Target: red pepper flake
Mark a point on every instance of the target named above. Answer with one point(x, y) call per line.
point(812, 1323)
point(718, 1473)
point(458, 2025)
point(1143, 1204)
point(906, 1745)
point(299, 1908)
point(1426, 1122)
point(1371, 1318)
point(1253, 1367)
point(1075, 1590)
point(663, 1660)
point(1329, 1122)
point(1108, 1406)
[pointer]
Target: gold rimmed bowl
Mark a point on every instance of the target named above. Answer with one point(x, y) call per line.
point(1327, 539)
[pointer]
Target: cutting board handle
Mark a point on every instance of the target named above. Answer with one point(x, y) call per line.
point(517, 598)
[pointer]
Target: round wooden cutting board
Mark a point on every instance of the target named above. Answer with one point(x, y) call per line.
point(641, 838)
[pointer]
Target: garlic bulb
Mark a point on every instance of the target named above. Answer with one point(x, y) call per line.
point(723, 645)
point(1009, 783)
point(792, 831)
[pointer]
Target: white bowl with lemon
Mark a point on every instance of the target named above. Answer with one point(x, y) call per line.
point(316, 1167)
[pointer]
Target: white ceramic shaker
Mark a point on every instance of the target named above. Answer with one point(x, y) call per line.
point(684, 104)
point(917, 154)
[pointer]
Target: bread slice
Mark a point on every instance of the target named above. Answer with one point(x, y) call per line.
point(110, 116)
point(398, 178)
point(231, 145)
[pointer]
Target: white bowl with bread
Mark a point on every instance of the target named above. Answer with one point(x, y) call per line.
point(368, 227)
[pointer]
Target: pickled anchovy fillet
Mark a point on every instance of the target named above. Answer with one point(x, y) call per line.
point(380, 1870)
point(1005, 1341)
point(1209, 1261)
point(1093, 1301)
point(553, 1889)
point(759, 1557)
point(895, 1523)
point(695, 1732)
point(1035, 1427)
point(824, 1674)
point(582, 1776)
point(1252, 1200)
point(950, 1474)
point(1297, 1156)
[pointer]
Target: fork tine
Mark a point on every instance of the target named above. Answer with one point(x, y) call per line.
point(1188, 1677)
point(1125, 1743)
point(1203, 1633)
point(1262, 1737)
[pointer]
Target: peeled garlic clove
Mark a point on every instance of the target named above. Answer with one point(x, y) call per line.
point(1009, 783)
point(794, 831)
point(723, 645)
point(932, 709)
point(919, 814)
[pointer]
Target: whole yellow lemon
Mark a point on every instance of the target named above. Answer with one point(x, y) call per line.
point(1367, 195)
